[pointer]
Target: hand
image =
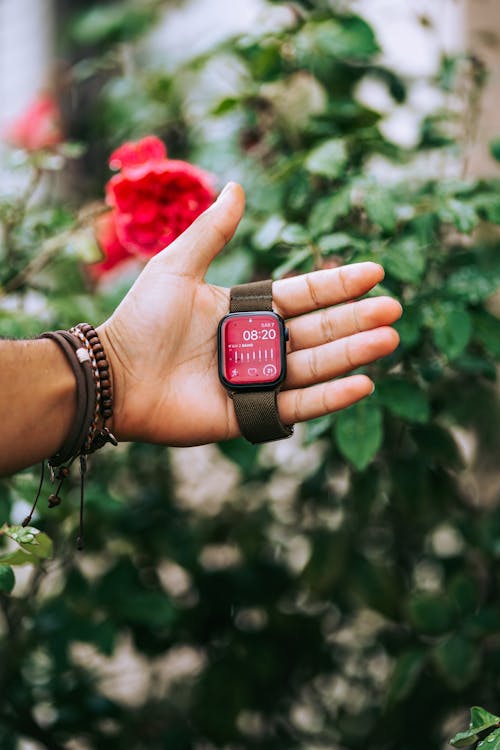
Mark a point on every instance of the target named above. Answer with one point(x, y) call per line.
point(162, 346)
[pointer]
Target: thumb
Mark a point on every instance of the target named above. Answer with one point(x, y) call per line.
point(195, 249)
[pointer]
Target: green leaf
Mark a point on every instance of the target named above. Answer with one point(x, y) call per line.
point(228, 104)
point(316, 428)
point(230, 268)
point(463, 215)
point(431, 614)
point(458, 660)
point(475, 366)
point(495, 148)
point(488, 206)
point(405, 260)
point(328, 210)
point(380, 208)
point(104, 23)
point(327, 159)
point(83, 246)
point(472, 284)
point(410, 325)
point(486, 328)
point(350, 37)
point(452, 187)
point(492, 741)
point(34, 542)
point(148, 608)
point(19, 534)
point(294, 234)
point(451, 329)
point(7, 578)
point(480, 721)
point(332, 243)
point(359, 432)
point(18, 557)
point(241, 453)
point(464, 592)
point(294, 260)
point(437, 444)
point(405, 674)
point(269, 234)
point(72, 149)
point(48, 161)
point(404, 399)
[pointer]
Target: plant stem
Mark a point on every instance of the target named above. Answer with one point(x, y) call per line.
point(48, 249)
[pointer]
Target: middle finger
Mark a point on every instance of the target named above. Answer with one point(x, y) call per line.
point(335, 323)
point(328, 361)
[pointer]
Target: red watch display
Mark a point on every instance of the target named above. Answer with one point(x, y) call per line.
point(252, 350)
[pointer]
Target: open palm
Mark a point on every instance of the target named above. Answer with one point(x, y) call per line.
point(162, 346)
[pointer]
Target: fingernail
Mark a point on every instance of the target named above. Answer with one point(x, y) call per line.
point(225, 190)
point(373, 389)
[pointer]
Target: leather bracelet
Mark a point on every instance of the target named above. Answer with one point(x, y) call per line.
point(85, 394)
point(85, 355)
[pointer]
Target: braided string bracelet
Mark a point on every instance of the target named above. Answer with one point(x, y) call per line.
point(94, 405)
point(104, 402)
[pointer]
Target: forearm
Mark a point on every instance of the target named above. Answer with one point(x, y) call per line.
point(37, 402)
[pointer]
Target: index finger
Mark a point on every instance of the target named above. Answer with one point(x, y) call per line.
point(318, 289)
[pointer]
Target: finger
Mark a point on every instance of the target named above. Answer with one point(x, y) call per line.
point(337, 322)
point(312, 291)
point(308, 403)
point(325, 362)
point(195, 249)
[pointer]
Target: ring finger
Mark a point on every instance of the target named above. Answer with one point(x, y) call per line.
point(344, 320)
point(320, 363)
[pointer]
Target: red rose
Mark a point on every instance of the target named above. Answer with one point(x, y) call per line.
point(38, 127)
point(154, 199)
point(113, 250)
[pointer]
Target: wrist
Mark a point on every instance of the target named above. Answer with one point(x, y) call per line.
point(37, 402)
point(114, 422)
point(60, 396)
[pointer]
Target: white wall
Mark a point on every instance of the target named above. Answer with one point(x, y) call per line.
point(26, 44)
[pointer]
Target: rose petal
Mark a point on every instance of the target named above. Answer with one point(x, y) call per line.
point(148, 150)
point(154, 199)
point(114, 252)
point(38, 127)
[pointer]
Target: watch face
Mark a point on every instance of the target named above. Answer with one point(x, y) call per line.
point(251, 349)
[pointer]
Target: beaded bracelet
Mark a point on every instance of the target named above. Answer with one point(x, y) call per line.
point(104, 403)
point(94, 404)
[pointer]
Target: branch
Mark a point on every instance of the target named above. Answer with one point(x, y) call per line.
point(48, 249)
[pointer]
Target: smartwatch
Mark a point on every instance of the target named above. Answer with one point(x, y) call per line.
point(252, 361)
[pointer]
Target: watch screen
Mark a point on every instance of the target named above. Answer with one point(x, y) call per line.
point(251, 348)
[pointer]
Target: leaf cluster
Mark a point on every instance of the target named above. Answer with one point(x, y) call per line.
point(359, 608)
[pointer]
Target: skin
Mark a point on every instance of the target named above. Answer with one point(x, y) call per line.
point(161, 346)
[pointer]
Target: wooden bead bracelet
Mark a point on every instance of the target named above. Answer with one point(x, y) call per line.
point(94, 407)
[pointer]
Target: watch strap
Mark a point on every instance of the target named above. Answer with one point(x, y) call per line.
point(257, 411)
point(258, 295)
point(258, 417)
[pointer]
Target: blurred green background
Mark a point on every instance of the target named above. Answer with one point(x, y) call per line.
point(337, 591)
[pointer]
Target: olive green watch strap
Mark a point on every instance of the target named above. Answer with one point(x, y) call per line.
point(257, 295)
point(257, 411)
point(258, 418)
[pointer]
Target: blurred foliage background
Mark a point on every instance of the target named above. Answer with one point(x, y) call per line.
point(339, 590)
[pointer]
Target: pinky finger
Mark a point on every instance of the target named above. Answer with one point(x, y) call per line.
point(300, 404)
